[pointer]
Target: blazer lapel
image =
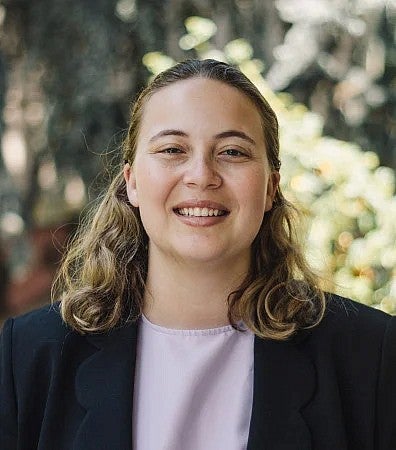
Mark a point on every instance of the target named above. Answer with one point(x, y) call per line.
point(284, 382)
point(104, 388)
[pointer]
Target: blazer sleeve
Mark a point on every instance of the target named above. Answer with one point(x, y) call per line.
point(8, 407)
point(386, 407)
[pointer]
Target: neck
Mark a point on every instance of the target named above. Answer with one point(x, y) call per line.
point(183, 296)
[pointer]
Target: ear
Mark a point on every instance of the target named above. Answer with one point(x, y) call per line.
point(272, 186)
point(130, 181)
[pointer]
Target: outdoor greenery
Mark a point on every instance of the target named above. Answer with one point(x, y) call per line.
point(348, 198)
point(69, 70)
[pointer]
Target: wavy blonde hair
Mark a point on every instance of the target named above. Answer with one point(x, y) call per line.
point(102, 277)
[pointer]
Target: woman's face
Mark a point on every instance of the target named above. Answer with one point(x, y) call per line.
point(201, 178)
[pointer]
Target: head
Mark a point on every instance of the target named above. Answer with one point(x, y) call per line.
point(229, 76)
point(110, 255)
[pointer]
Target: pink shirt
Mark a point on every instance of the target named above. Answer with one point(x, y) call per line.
point(193, 389)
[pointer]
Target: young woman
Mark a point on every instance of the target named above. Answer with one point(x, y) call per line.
point(189, 318)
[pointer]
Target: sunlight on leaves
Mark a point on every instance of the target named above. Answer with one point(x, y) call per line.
point(157, 62)
point(348, 198)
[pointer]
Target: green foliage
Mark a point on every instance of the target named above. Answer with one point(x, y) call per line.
point(349, 199)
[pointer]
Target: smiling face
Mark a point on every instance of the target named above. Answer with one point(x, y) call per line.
point(200, 177)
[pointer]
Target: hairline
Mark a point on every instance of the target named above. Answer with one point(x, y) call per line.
point(204, 76)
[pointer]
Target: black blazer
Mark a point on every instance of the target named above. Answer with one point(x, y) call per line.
point(330, 388)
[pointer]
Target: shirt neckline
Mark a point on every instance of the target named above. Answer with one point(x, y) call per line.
point(186, 332)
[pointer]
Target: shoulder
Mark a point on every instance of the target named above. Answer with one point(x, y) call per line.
point(346, 321)
point(342, 312)
point(41, 326)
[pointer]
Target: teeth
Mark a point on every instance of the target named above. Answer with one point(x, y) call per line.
point(200, 212)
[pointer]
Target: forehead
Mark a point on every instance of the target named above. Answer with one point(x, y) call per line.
point(200, 105)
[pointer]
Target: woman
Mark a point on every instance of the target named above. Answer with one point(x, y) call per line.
point(189, 317)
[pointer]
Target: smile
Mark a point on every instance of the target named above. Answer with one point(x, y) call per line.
point(200, 212)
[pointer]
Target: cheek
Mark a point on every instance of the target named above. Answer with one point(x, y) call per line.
point(153, 189)
point(253, 205)
point(253, 191)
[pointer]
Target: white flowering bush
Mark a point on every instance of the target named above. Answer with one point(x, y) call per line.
point(348, 198)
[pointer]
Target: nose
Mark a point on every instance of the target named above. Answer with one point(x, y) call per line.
point(202, 173)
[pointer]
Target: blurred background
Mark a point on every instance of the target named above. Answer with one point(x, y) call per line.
point(69, 71)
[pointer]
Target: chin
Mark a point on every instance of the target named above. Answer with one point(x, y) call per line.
point(213, 256)
point(198, 254)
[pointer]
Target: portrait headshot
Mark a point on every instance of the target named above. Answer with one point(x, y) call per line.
point(188, 316)
point(197, 225)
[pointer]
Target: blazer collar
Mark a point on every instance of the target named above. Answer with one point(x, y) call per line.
point(104, 388)
point(284, 382)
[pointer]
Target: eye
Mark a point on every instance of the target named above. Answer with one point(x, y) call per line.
point(171, 150)
point(234, 152)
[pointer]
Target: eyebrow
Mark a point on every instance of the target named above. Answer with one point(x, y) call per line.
point(222, 135)
point(235, 133)
point(168, 133)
